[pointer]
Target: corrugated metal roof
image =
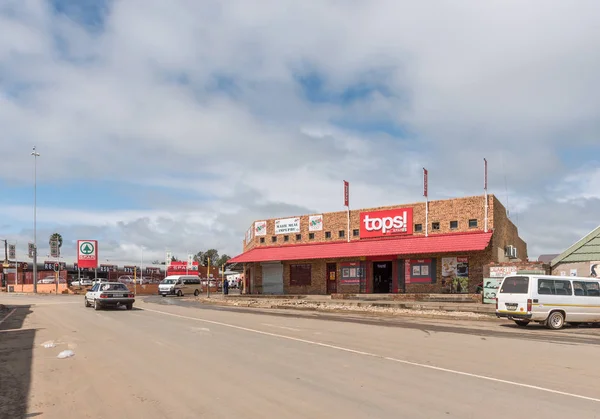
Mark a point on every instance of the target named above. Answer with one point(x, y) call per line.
point(585, 250)
point(446, 243)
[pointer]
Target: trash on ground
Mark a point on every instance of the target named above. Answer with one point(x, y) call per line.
point(66, 354)
point(48, 344)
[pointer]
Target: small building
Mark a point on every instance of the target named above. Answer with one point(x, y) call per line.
point(581, 259)
point(395, 249)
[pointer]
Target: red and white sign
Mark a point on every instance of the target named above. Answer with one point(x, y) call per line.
point(386, 223)
point(177, 268)
point(87, 253)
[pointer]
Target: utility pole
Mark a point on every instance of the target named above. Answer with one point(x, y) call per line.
point(35, 155)
point(208, 277)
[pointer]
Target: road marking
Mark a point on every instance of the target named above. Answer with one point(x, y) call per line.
point(387, 358)
point(8, 315)
point(281, 327)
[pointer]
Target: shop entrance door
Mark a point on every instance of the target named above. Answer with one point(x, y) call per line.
point(331, 278)
point(382, 277)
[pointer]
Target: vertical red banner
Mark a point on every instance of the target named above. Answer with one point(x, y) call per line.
point(425, 173)
point(346, 194)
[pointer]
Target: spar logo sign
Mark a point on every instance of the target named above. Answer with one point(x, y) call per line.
point(386, 223)
point(87, 253)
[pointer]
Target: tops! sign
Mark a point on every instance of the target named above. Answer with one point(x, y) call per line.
point(386, 223)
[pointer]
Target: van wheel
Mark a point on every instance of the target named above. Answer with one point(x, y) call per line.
point(179, 293)
point(196, 293)
point(522, 323)
point(556, 320)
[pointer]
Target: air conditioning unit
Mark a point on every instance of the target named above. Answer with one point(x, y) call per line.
point(510, 252)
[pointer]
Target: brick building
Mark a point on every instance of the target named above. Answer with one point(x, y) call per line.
point(381, 250)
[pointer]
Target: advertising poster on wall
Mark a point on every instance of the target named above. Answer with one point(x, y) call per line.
point(595, 269)
point(573, 272)
point(287, 225)
point(315, 223)
point(455, 274)
point(419, 271)
point(352, 273)
point(260, 228)
point(490, 289)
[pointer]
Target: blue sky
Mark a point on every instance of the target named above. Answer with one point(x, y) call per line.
point(175, 126)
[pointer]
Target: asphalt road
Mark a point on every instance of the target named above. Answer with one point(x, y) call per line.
point(165, 360)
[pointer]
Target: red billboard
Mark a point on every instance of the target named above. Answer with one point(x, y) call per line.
point(392, 222)
point(87, 253)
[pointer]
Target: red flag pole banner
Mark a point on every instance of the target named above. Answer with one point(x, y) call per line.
point(426, 195)
point(485, 185)
point(347, 205)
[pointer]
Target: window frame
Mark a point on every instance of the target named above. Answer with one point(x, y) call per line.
point(328, 234)
point(433, 226)
point(455, 227)
point(311, 236)
point(273, 239)
point(298, 237)
point(262, 239)
point(418, 228)
point(304, 270)
point(286, 238)
point(474, 221)
point(341, 234)
point(356, 232)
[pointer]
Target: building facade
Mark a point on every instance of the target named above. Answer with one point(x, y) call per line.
point(381, 250)
point(581, 259)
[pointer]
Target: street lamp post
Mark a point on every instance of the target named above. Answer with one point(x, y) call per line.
point(35, 155)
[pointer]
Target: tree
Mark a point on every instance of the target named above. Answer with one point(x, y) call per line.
point(223, 260)
point(157, 262)
point(57, 237)
point(202, 257)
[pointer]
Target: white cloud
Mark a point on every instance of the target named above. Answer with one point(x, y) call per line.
point(138, 102)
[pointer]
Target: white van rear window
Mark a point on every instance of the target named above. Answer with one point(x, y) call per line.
point(515, 285)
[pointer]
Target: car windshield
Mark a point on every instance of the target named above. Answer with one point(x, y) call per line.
point(168, 281)
point(114, 287)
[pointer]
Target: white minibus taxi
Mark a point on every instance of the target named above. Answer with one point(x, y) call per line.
point(180, 285)
point(549, 300)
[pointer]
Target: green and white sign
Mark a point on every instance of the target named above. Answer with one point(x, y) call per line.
point(87, 253)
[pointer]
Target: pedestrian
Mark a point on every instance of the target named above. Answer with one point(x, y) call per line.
point(225, 286)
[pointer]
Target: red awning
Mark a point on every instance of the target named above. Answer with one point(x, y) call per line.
point(438, 243)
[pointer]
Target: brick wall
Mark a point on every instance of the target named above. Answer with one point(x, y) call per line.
point(505, 233)
point(444, 211)
point(580, 269)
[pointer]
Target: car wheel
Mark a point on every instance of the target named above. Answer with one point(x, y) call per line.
point(96, 305)
point(87, 303)
point(129, 306)
point(556, 320)
point(179, 293)
point(522, 323)
point(196, 293)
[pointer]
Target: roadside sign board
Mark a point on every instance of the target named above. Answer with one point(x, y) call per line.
point(12, 251)
point(31, 250)
point(87, 253)
point(54, 249)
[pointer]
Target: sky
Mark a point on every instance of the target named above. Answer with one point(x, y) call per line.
point(175, 125)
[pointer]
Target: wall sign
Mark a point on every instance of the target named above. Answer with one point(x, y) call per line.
point(490, 289)
point(287, 225)
point(419, 271)
point(502, 271)
point(260, 228)
point(315, 223)
point(386, 223)
point(352, 273)
point(595, 269)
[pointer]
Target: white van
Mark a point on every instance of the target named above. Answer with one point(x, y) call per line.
point(180, 285)
point(549, 300)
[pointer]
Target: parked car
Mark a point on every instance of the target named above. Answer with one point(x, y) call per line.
point(84, 282)
point(109, 294)
point(126, 279)
point(47, 280)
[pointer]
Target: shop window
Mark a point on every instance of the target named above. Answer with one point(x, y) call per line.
point(435, 226)
point(418, 228)
point(298, 236)
point(342, 234)
point(286, 238)
point(300, 274)
point(328, 234)
point(473, 223)
point(311, 236)
point(274, 239)
point(356, 232)
point(453, 225)
point(262, 239)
